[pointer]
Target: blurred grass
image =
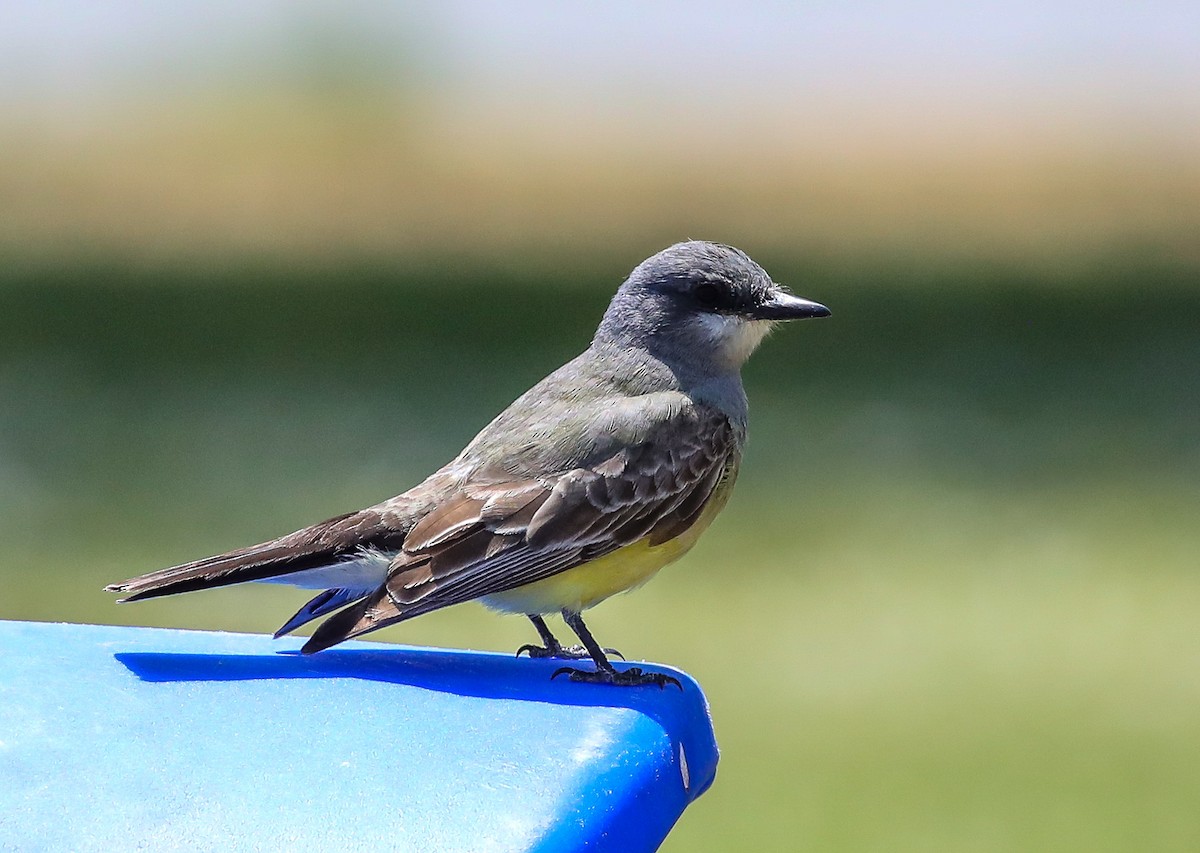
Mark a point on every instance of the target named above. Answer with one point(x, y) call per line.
point(951, 606)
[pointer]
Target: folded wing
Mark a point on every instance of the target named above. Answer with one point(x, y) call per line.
point(494, 534)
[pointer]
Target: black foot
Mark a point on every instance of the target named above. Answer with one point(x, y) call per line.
point(632, 677)
point(561, 653)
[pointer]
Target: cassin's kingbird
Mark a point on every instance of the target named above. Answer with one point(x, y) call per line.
point(593, 480)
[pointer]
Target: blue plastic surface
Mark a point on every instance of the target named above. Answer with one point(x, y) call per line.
point(139, 738)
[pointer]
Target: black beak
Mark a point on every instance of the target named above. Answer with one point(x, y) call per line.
point(784, 306)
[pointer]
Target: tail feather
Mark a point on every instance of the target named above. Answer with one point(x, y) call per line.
point(343, 625)
point(254, 564)
point(376, 610)
point(325, 602)
point(310, 548)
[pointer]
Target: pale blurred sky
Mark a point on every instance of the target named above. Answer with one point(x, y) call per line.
point(1142, 59)
point(275, 125)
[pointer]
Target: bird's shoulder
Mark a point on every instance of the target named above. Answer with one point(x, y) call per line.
point(587, 410)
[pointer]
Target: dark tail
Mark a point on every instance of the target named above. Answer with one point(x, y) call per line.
point(310, 548)
point(250, 564)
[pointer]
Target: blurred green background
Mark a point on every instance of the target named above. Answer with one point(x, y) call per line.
point(264, 263)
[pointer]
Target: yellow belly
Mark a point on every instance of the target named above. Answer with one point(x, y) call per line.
point(627, 568)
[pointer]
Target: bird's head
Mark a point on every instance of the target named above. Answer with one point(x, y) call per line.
point(703, 306)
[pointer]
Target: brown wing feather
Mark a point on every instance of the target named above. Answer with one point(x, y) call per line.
point(450, 521)
point(497, 536)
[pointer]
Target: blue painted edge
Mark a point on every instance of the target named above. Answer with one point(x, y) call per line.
point(678, 719)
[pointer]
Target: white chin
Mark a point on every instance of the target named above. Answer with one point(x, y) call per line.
point(735, 336)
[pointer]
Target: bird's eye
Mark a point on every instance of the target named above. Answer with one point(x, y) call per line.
point(707, 294)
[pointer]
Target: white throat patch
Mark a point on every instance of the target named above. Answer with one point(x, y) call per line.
point(735, 337)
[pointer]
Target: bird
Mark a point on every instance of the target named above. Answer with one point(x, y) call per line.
point(595, 478)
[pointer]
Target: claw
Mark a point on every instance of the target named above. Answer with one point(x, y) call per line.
point(561, 653)
point(632, 677)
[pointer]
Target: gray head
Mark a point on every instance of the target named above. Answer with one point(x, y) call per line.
point(701, 307)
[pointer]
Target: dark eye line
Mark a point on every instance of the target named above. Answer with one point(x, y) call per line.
point(707, 294)
point(715, 298)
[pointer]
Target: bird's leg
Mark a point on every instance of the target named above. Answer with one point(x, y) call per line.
point(552, 648)
point(605, 672)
